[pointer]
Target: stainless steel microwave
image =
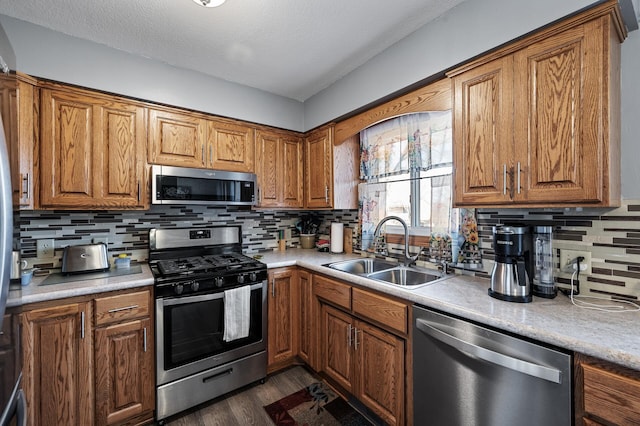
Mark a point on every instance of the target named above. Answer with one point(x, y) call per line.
point(182, 185)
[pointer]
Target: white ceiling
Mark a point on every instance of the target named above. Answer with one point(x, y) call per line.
point(293, 48)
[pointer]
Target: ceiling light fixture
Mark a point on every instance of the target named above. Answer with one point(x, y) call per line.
point(209, 3)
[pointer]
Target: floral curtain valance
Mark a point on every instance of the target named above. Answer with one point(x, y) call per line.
point(412, 142)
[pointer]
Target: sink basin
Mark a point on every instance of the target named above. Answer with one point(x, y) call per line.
point(406, 277)
point(362, 266)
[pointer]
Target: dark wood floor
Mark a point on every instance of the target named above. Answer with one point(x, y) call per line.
point(246, 407)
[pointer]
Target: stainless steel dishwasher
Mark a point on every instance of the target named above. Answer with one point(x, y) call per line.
point(465, 374)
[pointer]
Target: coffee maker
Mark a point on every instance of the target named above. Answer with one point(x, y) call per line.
point(512, 274)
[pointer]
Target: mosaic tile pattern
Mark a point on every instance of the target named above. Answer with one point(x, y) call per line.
point(612, 236)
point(128, 231)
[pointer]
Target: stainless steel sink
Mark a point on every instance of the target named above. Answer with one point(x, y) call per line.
point(362, 266)
point(406, 277)
point(387, 272)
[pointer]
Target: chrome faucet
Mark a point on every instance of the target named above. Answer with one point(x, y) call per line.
point(408, 259)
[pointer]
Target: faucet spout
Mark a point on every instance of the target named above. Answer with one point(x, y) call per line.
point(408, 259)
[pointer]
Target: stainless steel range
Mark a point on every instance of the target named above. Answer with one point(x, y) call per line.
point(195, 270)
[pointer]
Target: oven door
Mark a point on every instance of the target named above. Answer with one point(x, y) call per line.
point(190, 329)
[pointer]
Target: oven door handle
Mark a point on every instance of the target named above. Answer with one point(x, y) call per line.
point(202, 297)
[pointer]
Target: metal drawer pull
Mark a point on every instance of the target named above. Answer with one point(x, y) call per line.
point(28, 186)
point(355, 334)
point(273, 287)
point(144, 339)
point(497, 358)
point(518, 177)
point(126, 308)
point(215, 376)
point(82, 325)
point(326, 194)
point(349, 340)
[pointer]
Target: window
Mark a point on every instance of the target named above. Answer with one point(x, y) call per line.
point(406, 167)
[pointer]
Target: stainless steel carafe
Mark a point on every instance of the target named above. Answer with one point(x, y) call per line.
point(511, 277)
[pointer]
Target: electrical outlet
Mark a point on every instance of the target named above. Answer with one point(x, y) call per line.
point(567, 257)
point(44, 248)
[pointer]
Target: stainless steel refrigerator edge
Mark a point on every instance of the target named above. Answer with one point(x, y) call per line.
point(16, 405)
point(466, 374)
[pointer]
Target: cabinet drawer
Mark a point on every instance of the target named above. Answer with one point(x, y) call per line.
point(611, 396)
point(332, 291)
point(390, 313)
point(122, 307)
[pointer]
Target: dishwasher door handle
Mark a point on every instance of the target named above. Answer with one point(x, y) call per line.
point(540, 371)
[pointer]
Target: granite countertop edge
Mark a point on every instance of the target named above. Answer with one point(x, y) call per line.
point(552, 321)
point(556, 322)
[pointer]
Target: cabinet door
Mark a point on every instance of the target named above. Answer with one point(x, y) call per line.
point(68, 157)
point(380, 360)
point(231, 147)
point(307, 329)
point(283, 316)
point(336, 343)
point(558, 125)
point(483, 135)
point(120, 139)
point(17, 107)
point(124, 371)
point(291, 165)
point(176, 139)
point(57, 365)
point(318, 167)
point(268, 170)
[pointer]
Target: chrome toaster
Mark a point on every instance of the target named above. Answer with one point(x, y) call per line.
point(85, 258)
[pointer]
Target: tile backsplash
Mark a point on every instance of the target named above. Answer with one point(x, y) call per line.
point(128, 231)
point(612, 236)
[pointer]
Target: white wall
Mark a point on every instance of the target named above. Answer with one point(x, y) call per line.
point(6, 51)
point(467, 30)
point(48, 54)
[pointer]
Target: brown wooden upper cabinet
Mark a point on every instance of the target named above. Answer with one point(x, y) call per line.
point(187, 139)
point(92, 150)
point(279, 169)
point(318, 168)
point(537, 123)
point(19, 106)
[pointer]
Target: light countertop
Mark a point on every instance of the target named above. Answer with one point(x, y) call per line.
point(610, 336)
point(35, 292)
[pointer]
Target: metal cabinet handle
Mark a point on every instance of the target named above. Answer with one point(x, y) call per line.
point(504, 179)
point(355, 340)
point(27, 180)
point(518, 177)
point(82, 325)
point(349, 339)
point(273, 287)
point(144, 339)
point(326, 194)
point(139, 197)
point(203, 157)
point(497, 358)
point(210, 155)
point(126, 308)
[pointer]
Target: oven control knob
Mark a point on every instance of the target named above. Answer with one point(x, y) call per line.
point(240, 279)
point(195, 285)
point(253, 276)
point(178, 288)
point(218, 281)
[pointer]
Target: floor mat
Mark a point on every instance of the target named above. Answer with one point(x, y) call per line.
point(314, 405)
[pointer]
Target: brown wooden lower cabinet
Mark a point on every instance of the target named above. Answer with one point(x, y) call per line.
point(57, 370)
point(366, 361)
point(283, 323)
point(73, 375)
point(606, 394)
